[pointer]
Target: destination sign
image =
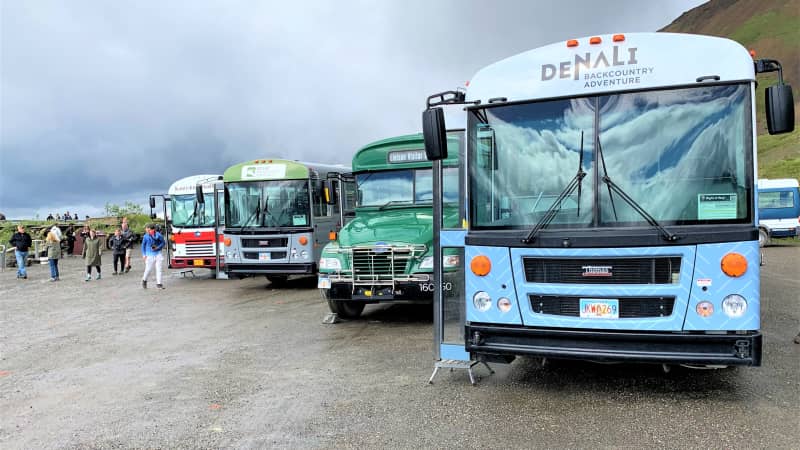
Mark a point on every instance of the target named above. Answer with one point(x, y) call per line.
point(406, 156)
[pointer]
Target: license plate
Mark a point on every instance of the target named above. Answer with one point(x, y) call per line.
point(323, 283)
point(264, 256)
point(599, 308)
point(197, 262)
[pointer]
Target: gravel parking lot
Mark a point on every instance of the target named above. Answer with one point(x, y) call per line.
point(210, 363)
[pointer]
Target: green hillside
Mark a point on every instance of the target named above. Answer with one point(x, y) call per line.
point(772, 29)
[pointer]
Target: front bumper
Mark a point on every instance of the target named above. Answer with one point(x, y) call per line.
point(405, 292)
point(267, 269)
point(206, 262)
point(619, 346)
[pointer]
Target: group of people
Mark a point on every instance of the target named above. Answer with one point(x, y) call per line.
point(66, 216)
point(121, 247)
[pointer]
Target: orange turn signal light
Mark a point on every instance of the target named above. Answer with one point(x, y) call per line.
point(595, 40)
point(332, 236)
point(480, 265)
point(302, 240)
point(227, 242)
point(572, 43)
point(752, 53)
point(734, 264)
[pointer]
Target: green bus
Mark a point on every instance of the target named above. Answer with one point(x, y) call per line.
point(384, 253)
point(276, 217)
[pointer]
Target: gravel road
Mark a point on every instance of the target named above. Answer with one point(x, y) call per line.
point(209, 363)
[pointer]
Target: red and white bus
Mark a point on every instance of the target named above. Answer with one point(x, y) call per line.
point(192, 223)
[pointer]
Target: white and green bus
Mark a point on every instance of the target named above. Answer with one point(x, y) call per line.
point(276, 217)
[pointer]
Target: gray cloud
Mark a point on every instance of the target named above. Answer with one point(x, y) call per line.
point(107, 101)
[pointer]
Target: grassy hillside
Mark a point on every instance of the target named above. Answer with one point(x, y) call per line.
point(772, 29)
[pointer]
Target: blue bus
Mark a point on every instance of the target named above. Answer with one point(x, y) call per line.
point(778, 209)
point(609, 204)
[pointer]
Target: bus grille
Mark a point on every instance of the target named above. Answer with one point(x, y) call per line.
point(629, 307)
point(199, 248)
point(388, 264)
point(655, 270)
point(265, 242)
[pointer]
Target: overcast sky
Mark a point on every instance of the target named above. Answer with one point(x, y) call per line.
point(111, 101)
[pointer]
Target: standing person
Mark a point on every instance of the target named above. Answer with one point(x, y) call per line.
point(70, 240)
point(152, 243)
point(92, 250)
point(53, 254)
point(22, 242)
point(127, 234)
point(118, 244)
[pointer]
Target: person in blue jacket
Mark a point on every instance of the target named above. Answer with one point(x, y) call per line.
point(152, 244)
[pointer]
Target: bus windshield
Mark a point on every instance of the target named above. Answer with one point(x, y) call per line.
point(186, 212)
point(403, 187)
point(270, 204)
point(683, 155)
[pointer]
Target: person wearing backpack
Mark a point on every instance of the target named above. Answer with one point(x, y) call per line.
point(152, 244)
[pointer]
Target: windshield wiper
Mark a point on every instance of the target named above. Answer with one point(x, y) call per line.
point(551, 212)
point(256, 215)
point(392, 202)
point(666, 234)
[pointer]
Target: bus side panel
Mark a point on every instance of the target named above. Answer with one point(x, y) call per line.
point(708, 273)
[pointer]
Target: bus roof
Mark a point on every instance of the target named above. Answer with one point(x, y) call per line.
point(401, 152)
point(620, 62)
point(187, 185)
point(765, 183)
point(279, 169)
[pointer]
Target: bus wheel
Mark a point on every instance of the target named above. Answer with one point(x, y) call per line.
point(763, 237)
point(345, 309)
point(277, 280)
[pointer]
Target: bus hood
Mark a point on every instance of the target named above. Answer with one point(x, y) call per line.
point(398, 225)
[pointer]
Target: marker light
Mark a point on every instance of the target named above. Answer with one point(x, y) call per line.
point(734, 264)
point(172, 238)
point(734, 306)
point(504, 305)
point(752, 53)
point(332, 236)
point(227, 242)
point(302, 240)
point(482, 301)
point(705, 309)
point(572, 43)
point(595, 40)
point(618, 38)
point(480, 265)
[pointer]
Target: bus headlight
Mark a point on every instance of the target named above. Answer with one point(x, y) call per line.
point(482, 301)
point(504, 305)
point(448, 261)
point(304, 254)
point(330, 263)
point(734, 306)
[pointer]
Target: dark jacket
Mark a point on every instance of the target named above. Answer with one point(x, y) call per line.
point(127, 235)
point(21, 240)
point(118, 245)
point(91, 251)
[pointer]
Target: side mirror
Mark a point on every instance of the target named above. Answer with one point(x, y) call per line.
point(434, 133)
point(152, 202)
point(779, 109)
point(198, 192)
point(329, 192)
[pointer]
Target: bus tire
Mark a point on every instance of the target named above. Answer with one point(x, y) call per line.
point(346, 309)
point(763, 237)
point(277, 280)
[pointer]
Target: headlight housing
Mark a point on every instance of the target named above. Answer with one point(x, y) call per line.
point(449, 261)
point(330, 263)
point(734, 306)
point(482, 301)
